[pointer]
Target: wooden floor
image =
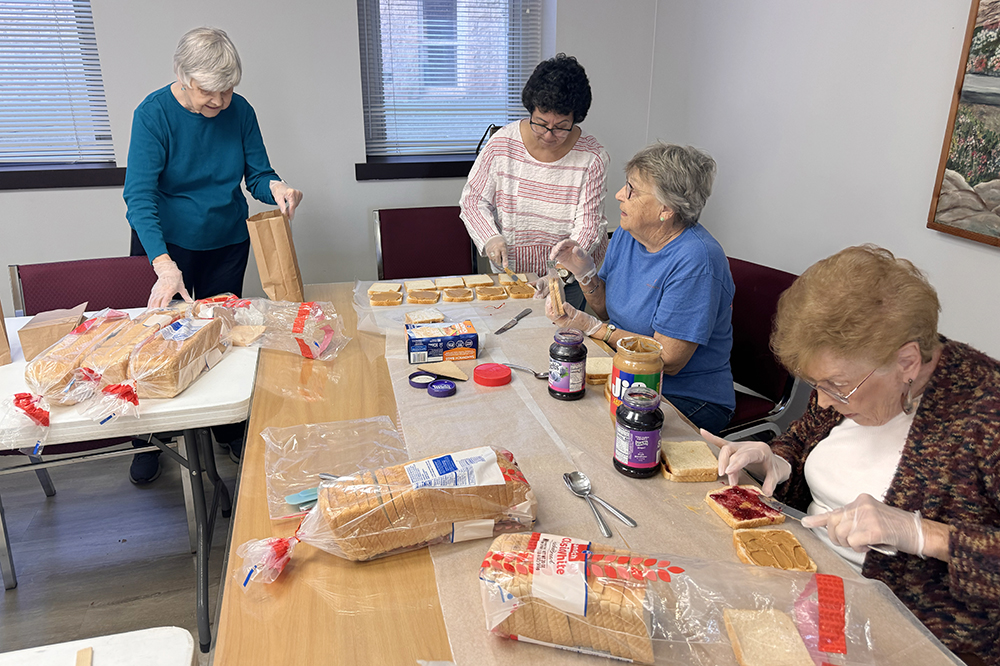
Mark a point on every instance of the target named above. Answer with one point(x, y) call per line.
point(102, 556)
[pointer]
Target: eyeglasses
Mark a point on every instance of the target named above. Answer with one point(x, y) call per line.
point(629, 190)
point(540, 129)
point(843, 398)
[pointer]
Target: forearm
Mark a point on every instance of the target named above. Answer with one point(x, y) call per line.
point(593, 290)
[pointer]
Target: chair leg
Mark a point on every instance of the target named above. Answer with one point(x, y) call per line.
point(43, 477)
point(6, 557)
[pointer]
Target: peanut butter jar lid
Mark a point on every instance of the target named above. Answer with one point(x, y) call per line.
point(491, 374)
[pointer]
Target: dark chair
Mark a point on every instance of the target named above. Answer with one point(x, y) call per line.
point(765, 389)
point(116, 282)
point(422, 242)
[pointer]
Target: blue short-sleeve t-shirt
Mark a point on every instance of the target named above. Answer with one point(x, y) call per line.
point(684, 291)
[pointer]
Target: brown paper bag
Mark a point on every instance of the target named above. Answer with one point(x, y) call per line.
point(271, 237)
point(4, 343)
point(47, 328)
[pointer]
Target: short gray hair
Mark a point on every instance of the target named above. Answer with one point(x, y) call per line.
point(682, 177)
point(208, 56)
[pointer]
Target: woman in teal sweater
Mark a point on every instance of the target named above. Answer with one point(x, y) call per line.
point(193, 144)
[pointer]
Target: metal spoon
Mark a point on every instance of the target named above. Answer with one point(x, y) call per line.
point(538, 375)
point(579, 484)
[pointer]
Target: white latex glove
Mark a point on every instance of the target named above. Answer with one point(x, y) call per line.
point(541, 288)
point(169, 281)
point(496, 249)
point(573, 318)
point(569, 253)
point(867, 521)
point(286, 197)
point(734, 456)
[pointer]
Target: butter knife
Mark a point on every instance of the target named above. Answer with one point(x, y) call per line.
point(798, 515)
point(509, 325)
point(512, 274)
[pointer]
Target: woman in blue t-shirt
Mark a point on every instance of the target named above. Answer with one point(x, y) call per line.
point(194, 142)
point(666, 277)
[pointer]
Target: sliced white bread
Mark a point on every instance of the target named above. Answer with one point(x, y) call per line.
point(384, 286)
point(456, 295)
point(420, 285)
point(689, 462)
point(385, 298)
point(598, 369)
point(425, 316)
point(477, 281)
point(422, 297)
point(778, 549)
point(491, 293)
point(765, 638)
point(506, 279)
point(520, 290)
point(741, 507)
point(449, 282)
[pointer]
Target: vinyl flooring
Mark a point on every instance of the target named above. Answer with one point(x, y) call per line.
point(102, 556)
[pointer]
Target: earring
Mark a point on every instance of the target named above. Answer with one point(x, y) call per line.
point(908, 399)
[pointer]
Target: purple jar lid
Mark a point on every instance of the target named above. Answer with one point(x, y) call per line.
point(421, 379)
point(641, 398)
point(441, 388)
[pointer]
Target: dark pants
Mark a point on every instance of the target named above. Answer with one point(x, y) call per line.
point(574, 295)
point(209, 273)
point(707, 415)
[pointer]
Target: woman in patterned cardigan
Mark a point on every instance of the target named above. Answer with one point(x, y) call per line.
point(899, 445)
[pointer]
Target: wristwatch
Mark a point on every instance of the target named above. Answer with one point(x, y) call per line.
point(611, 329)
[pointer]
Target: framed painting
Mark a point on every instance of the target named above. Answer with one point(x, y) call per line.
point(966, 199)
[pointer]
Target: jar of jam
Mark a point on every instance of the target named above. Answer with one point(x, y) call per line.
point(637, 363)
point(637, 433)
point(567, 365)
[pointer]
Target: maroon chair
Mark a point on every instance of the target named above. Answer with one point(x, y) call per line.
point(422, 242)
point(115, 282)
point(753, 364)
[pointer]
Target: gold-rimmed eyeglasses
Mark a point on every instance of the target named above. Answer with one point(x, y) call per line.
point(842, 398)
point(540, 129)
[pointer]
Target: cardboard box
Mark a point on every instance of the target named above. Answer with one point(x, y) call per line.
point(47, 328)
point(441, 342)
point(4, 343)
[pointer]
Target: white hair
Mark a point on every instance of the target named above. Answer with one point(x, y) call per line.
point(207, 56)
point(682, 177)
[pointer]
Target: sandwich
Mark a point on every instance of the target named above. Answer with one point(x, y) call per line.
point(741, 507)
point(422, 297)
point(449, 282)
point(461, 295)
point(381, 298)
point(491, 293)
point(689, 462)
point(598, 369)
point(520, 290)
point(478, 280)
point(420, 285)
point(778, 549)
point(383, 287)
point(425, 316)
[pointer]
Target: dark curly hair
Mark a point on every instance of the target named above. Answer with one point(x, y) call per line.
point(558, 84)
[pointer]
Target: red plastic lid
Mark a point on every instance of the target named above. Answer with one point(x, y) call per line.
point(491, 374)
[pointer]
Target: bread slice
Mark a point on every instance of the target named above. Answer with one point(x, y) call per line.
point(449, 282)
point(598, 369)
point(385, 298)
point(741, 507)
point(477, 281)
point(778, 549)
point(520, 290)
point(384, 286)
point(765, 638)
point(556, 294)
point(422, 297)
point(507, 280)
point(425, 316)
point(689, 462)
point(457, 295)
point(491, 293)
point(420, 285)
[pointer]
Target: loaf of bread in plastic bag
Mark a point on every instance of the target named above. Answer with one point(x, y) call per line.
point(176, 356)
point(110, 358)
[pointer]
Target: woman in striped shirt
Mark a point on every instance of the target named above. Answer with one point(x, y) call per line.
point(541, 179)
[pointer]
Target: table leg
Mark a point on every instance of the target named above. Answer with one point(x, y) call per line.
point(201, 557)
point(213, 475)
point(6, 557)
point(183, 444)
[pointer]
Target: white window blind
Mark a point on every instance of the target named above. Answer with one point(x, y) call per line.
point(52, 105)
point(436, 73)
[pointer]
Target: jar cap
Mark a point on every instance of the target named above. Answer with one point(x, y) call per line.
point(491, 374)
point(421, 379)
point(641, 398)
point(441, 388)
point(569, 336)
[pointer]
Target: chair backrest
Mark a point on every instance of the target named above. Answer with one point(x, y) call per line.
point(422, 242)
point(754, 306)
point(115, 282)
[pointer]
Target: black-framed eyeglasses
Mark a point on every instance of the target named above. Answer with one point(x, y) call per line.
point(540, 129)
point(629, 190)
point(842, 398)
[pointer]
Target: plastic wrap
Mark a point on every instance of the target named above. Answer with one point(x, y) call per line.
point(52, 373)
point(171, 360)
point(596, 599)
point(24, 418)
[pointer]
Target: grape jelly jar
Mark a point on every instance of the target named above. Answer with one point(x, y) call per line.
point(567, 365)
point(637, 433)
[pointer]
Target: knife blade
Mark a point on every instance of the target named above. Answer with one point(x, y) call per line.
point(509, 325)
point(799, 515)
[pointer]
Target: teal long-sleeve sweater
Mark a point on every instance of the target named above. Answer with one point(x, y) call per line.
point(182, 185)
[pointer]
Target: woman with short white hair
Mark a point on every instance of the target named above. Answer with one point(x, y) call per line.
point(194, 142)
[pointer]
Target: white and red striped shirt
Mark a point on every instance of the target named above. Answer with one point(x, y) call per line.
point(533, 204)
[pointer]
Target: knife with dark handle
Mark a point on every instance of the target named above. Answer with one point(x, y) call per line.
point(509, 325)
point(798, 515)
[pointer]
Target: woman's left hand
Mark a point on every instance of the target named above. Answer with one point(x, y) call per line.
point(866, 521)
point(286, 197)
point(573, 318)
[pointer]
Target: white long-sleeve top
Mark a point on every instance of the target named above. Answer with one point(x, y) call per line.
point(533, 204)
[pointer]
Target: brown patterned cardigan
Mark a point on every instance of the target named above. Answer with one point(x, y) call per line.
point(950, 471)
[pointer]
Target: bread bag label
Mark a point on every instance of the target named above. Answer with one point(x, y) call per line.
point(560, 575)
point(183, 329)
point(473, 467)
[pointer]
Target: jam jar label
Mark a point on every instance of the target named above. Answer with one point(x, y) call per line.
point(623, 380)
point(567, 376)
point(637, 448)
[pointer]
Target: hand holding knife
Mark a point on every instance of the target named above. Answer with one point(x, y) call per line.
point(509, 325)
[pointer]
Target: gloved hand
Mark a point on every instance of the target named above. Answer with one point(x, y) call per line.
point(169, 281)
point(496, 249)
point(734, 456)
point(286, 197)
point(867, 521)
point(569, 253)
point(541, 288)
point(573, 318)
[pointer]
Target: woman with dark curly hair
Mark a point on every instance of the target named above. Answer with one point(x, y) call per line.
point(541, 179)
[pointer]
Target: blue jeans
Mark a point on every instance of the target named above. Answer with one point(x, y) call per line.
point(707, 415)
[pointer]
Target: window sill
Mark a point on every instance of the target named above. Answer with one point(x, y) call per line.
point(55, 176)
point(416, 166)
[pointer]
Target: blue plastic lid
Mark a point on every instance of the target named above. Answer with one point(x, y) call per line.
point(421, 379)
point(441, 388)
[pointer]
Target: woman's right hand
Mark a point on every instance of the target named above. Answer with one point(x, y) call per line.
point(496, 249)
point(169, 281)
point(734, 456)
point(572, 257)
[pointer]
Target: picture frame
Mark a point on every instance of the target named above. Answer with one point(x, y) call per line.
point(966, 199)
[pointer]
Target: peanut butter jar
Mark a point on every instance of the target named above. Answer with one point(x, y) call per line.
point(637, 363)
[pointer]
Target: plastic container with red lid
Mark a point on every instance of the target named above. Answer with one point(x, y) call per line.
point(491, 374)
